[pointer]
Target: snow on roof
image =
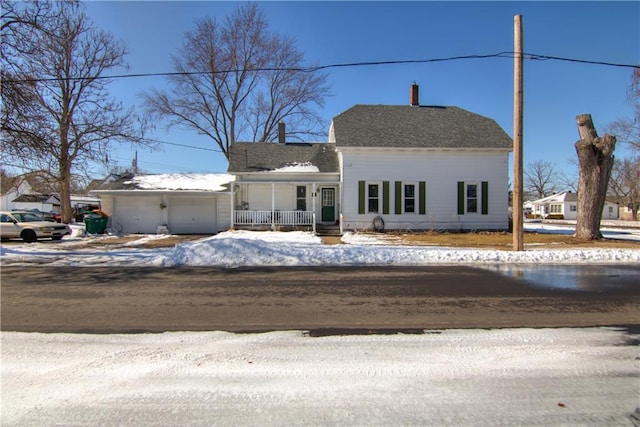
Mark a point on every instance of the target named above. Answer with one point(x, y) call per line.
point(298, 167)
point(183, 181)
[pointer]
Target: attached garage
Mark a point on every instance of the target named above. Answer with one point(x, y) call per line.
point(190, 215)
point(184, 203)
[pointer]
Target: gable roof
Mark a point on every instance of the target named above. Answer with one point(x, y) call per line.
point(265, 157)
point(416, 127)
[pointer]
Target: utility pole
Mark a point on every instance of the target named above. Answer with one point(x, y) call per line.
point(518, 244)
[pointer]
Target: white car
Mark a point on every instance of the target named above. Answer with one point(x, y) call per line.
point(30, 227)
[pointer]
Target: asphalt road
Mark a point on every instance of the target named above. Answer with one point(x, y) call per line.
point(323, 300)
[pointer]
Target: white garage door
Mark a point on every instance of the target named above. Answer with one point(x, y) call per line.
point(190, 215)
point(140, 214)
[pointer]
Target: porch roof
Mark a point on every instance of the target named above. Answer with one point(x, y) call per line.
point(268, 157)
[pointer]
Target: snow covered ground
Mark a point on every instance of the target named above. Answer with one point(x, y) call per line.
point(245, 248)
point(587, 376)
point(534, 377)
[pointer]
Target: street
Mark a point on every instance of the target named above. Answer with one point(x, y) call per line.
point(323, 300)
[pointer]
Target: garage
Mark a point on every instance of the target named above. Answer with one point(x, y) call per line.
point(140, 214)
point(192, 215)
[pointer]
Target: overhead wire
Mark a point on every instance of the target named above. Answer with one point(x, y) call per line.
point(312, 69)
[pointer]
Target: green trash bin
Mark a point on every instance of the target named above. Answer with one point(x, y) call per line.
point(95, 223)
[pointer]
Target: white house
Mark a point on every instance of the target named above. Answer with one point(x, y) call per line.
point(564, 205)
point(174, 203)
point(384, 167)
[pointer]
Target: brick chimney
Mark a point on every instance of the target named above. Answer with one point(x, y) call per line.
point(414, 100)
point(281, 132)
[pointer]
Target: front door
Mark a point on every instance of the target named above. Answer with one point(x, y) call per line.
point(328, 204)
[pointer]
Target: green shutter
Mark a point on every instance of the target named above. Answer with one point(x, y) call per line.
point(460, 198)
point(423, 197)
point(398, 197)
point(485, 197)
point(361, 197)
point(385, 197)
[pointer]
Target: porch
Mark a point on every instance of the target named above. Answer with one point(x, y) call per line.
point(274, 218)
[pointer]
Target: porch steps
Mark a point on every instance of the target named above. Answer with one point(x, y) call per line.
point(327, 230)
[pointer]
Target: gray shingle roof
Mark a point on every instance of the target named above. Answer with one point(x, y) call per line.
point(417, 126)
point(260, 156)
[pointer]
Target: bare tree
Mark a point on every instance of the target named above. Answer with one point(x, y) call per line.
point(541, 178)
point(238, 80)
point(60, 116)
point(625, 182)
point(595, 159)
point(627, 130)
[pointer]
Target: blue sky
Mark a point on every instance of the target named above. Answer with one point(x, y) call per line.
point(345, 32)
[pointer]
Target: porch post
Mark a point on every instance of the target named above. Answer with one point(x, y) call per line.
point(313, 206)
point(232, 198)
point(273, 206)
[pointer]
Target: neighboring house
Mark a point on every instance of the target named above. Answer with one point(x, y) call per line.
point(33, 183)
point(564, 205)
point(40, 202)
point(626, 213)
point(174, 203)
point(384, 167)
point(33, 190)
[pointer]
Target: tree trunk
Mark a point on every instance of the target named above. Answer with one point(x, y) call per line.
point(595, 160)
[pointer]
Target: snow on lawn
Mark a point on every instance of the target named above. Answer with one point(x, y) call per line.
point(585, 376)
point(246, 248)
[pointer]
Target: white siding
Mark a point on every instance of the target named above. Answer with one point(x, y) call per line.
point(223, 212)
point(441, 171)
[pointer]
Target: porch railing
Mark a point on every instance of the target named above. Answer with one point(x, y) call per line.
point(273, 217)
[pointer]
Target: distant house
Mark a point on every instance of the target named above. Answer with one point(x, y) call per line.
point(384, 167)
point(174, 203)
point(564, 205)
point(40, 202)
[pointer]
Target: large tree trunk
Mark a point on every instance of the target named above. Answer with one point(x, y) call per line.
point(595, 159)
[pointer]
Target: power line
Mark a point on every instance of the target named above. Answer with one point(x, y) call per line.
point(182, 145)
point(530, 56)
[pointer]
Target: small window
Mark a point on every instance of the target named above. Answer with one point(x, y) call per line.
point(573, 208)
point(373, 196)
point(472, 198)
point(555, 209)
point(610, 209)
point(301, 198)
point(409, 198)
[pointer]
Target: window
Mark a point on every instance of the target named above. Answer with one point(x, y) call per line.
point(373, 198)
point(610, 209)
point(409, 198)
point(573, 208)
point(555, 209)
point(472, 198)
point(301, 198)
